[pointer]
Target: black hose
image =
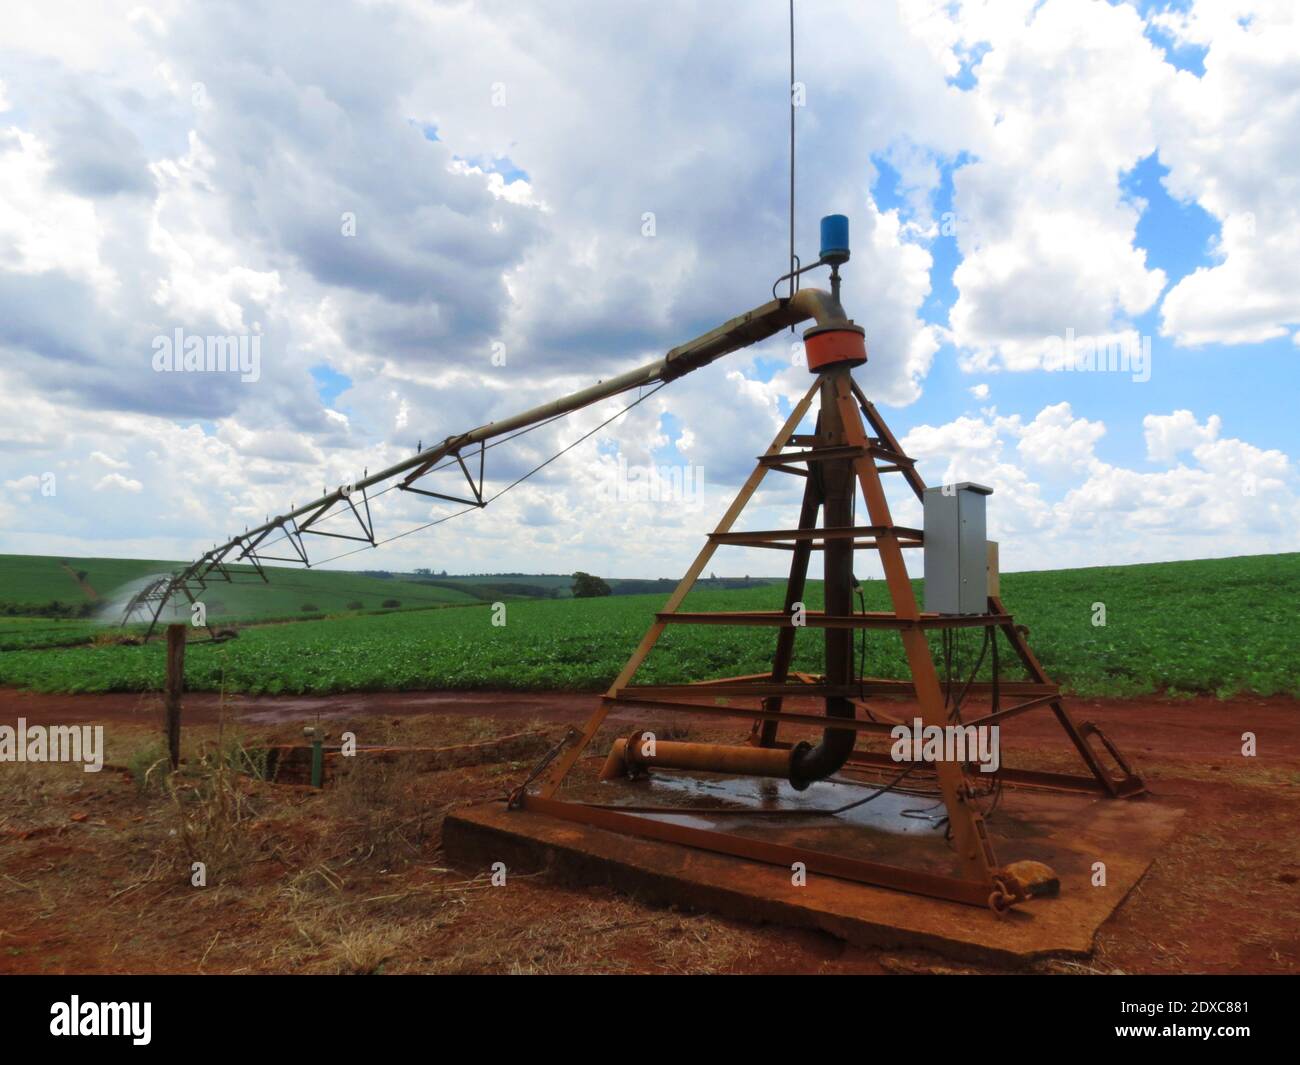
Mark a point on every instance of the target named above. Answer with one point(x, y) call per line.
point(809, 763)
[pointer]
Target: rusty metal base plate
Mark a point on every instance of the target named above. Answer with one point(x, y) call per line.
point(1068, 832)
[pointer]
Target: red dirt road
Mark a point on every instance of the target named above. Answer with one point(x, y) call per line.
point(1202, 729)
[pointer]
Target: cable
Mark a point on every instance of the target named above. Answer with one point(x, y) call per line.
point(498, 495)
point(436, 469)
point(984, 647)
point(997, 797)
point(947, 672)
point(997, 701)
point(862, 632)
point(513, 436)
point(835, 812)
point(877, 793)
point(793, 265)
point(922, 814)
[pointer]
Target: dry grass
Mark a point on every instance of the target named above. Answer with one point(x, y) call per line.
point(30, 795)
point(559, 933)
point(379, 810)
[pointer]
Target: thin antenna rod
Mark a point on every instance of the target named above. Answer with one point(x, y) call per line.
point(793, 265)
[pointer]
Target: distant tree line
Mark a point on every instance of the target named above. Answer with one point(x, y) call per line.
point(492, 591)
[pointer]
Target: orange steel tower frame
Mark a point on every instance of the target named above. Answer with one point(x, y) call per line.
point(841, 456)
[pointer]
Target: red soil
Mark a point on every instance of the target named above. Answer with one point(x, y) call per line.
point(1223, 897)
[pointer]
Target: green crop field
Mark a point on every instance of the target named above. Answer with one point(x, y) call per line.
point(1220, 626)
point(18, 633)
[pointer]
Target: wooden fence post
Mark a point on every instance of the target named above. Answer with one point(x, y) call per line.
point(174, 687)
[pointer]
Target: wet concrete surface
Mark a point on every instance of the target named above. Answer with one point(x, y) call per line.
point(1068, 833)
point(907, 829)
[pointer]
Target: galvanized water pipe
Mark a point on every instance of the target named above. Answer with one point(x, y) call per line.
point(740, 332)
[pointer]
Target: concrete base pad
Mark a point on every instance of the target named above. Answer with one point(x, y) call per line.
point(1076, 832)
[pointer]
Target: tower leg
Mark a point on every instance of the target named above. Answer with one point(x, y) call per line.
point(968, 829)
point(1132, 784)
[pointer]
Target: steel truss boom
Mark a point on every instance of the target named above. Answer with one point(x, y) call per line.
point(252, 545)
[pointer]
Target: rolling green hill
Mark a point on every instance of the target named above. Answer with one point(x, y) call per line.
point(51, 586)
point(100, 588)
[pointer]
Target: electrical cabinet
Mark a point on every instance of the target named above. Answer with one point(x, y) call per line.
point(956, 549)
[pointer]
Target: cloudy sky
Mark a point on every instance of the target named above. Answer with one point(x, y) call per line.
point(430, 215)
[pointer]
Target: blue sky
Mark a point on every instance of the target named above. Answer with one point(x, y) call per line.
point(1238, 381)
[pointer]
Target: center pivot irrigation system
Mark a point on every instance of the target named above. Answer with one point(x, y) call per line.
point(286, 532)
point(840, 458)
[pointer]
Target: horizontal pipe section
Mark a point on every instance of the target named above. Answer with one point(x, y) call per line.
point(714, 710)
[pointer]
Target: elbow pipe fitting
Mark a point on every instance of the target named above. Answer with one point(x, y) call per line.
point(820, 306)
point(809, 764)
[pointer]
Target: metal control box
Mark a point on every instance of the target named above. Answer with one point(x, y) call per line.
point(956, 549)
